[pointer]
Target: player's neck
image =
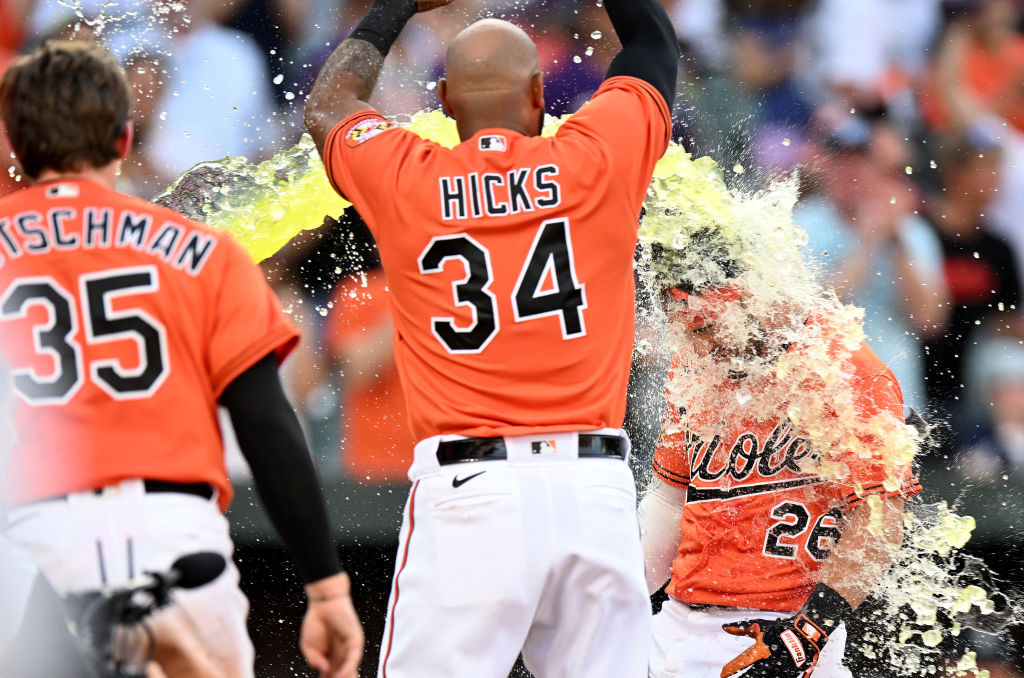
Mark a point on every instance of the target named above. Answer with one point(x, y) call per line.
point(105, 176)
point(469, 128)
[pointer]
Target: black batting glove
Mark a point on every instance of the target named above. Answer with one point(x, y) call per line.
point(788, 648)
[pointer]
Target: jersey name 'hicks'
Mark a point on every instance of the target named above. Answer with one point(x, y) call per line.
point(495, 195)
point(62, 228)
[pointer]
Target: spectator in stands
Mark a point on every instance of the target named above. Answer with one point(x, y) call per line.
point(858, 214)
point(765, 49)
point(12, 36)
point(376, 436)
point(979, 266)
point(998, 443)
point(869, 52)
point(979, 70)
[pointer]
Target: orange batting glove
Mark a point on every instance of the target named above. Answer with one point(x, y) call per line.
point(788, 648)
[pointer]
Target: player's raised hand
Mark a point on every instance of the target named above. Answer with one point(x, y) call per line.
point(332, 638)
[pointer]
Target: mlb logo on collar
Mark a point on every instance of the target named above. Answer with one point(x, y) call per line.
point(62, 191)
point(493, 142)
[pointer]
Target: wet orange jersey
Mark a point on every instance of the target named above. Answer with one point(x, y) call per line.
point(122, 323)
point(510, 261)
point(755, 528)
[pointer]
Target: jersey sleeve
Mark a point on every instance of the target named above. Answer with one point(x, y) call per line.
point(630, 117)
point(877, 475)
point(248, 322)
point(362, 158)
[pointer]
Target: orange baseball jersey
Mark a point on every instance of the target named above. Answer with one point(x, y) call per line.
point(755, 528)
point(123, 322)
point(510, 260)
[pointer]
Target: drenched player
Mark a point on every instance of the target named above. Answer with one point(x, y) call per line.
point(509, 263)
point(757, 541)
point(125, 324)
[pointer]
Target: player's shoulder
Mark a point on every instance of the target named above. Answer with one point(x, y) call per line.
point(868, 365)
point(361, 127)
point(628, 96)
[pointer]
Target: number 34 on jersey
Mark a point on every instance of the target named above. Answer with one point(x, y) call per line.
point(547, 286)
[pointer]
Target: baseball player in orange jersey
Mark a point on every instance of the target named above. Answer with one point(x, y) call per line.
point(509, 263)
point(749, 539)
point(125, 325)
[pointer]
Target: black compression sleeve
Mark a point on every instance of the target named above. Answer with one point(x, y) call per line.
point(649, 48)
point(382, 24)
point(271, 440)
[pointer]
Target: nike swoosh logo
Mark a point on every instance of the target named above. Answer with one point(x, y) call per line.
point(458, 482)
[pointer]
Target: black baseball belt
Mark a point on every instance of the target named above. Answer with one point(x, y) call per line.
point(488, 449)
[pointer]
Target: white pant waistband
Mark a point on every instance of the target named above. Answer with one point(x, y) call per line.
point(544, 447)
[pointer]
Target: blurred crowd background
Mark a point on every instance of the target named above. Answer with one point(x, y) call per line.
point(905, 119)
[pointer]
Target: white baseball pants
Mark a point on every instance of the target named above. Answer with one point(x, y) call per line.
point(90, 541)
point(689, 642)
point(536, 553)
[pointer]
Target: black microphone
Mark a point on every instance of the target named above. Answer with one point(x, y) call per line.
point(193, 570)
point(153, 589)
point(94, 614)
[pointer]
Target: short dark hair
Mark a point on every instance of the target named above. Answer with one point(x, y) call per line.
point(64, 106)
point(711, 262)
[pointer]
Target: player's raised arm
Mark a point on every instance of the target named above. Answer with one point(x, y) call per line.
point(346, 81)
point(650, 51)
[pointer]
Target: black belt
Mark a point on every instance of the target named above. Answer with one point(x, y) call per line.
point(486, 449)
point(203, 490)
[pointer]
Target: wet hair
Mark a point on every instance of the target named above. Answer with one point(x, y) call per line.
point(716, 264)
point(64, 107)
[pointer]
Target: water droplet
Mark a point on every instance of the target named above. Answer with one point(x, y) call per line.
point(738, 168)
point(589, 51)
point(786, 141)
point(908, 169)
point(577, 59)
point(289, 96)
point(163, 115)
point(892, 200)
point(933, 164)
point(431, 85)
point(597, 35)
point(977, 256)
point(279, 78)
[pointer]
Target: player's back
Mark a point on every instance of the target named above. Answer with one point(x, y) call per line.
point(509, 260)
point(116, 318)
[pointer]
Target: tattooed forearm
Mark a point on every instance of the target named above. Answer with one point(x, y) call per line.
point(342, 87)
point(356, 58)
